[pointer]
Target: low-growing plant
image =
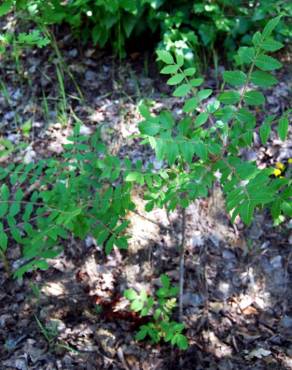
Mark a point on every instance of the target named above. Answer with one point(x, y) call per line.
point(159, 311)
point(50, 333)
point(205, 146)
point(100, 21)
point(197, 29)
point(79, 194)
point(21, 41)
point(88, 191)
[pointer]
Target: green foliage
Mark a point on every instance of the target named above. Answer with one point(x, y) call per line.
point(6, 7)
point(184, 26)
point(188, 25)
point(80, 194)
point(97, 20)
point(50, 332)
point(22, 40)
point(88, 191)
point(206, 144)
point(160, 309)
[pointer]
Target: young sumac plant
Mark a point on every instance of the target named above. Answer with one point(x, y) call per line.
point(206, 145)
point(88, 191)
point(79, 194)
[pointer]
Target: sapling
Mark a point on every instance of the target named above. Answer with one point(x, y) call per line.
point(205, 145)
point(88, 191)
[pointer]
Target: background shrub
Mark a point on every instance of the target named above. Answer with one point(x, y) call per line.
point(197, 28)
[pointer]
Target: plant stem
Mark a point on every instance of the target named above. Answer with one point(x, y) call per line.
point(5, 262)
point(181, 265)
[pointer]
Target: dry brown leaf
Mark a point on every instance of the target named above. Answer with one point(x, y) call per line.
point(250, 311)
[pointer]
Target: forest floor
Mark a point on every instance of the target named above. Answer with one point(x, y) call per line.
point(238, 292)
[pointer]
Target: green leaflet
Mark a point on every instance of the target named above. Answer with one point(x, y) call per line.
point(187, 150)
point(257, 39)
point(166, 120)
point(121, 242)
point(246, 55)
point(182, 90)
point(176, 79)
point(271, 45)
point(201, 150)
point(171, 152)
point(270, 26)
point(234, 78)
point(179, 59)
point(229, 97)
point(246, 212)
point(265, 131)
point(204, 94)
point(201, 119)
point(102, 236)
point(254, 98)
point(190, 105)
point(213, 106)
point(135, 177)
point(247, 198)
point(286, 207)
point(31, 266)
point(150, 127)
point(267, 63)
point(4, 197)
point(195, 82)
point(283, 126)
point(27, 212)
point(167, 70)
point(4, 193)
point(6, 7)
point(263, 79)
point(165, 56)
point(144, 111)
point(16, 205)
point(3, 239)
point(181, 341)
point(246, 117)
point(189, 71)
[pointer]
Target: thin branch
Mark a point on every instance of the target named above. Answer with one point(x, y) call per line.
point(181, 265)
point(5, 262)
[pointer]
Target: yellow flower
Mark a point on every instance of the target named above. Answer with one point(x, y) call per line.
point(290, 160)
point(277, 172)
point(280, 166)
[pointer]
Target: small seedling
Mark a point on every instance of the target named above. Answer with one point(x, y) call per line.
point(50, 332)
point(160, 309)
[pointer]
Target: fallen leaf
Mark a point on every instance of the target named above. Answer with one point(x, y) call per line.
point(258, 353)
point(250, 311)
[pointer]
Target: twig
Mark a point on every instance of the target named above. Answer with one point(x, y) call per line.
point(122, 358)
point(181, 265)
point(5, 262)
